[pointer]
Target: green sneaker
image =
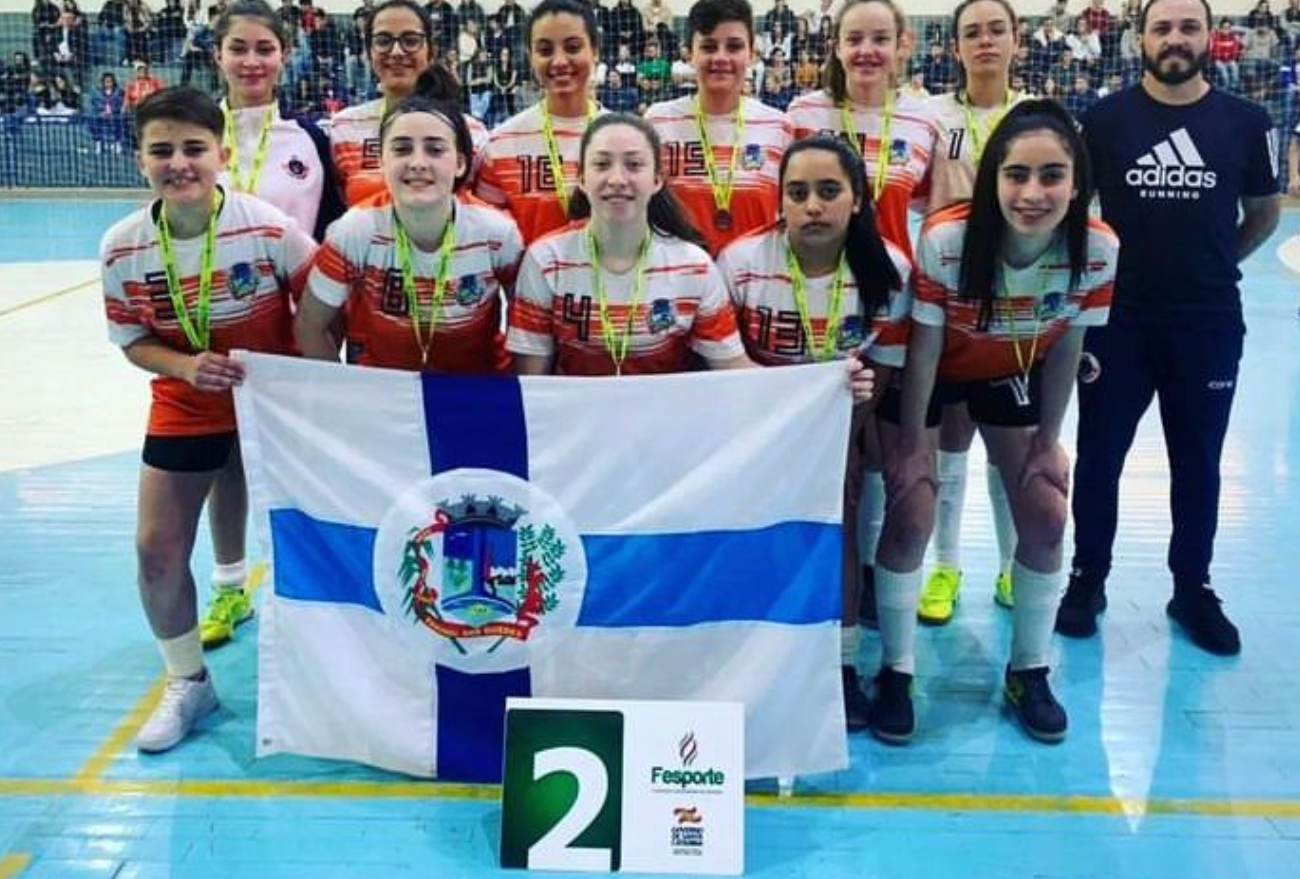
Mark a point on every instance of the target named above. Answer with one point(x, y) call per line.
point(229, 608)
point(1004, 591)
point(939, 596)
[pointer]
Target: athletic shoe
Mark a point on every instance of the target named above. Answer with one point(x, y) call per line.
point(1029, 696)
point(184, 702)
point(891, 717)
point(1004, 591)
point(856, 704)
point(1200, 613)
point(939, 596)
point(1084, 599)
point(228, 609)
point(867, 601)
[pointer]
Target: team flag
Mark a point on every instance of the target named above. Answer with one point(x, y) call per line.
point(440, 543)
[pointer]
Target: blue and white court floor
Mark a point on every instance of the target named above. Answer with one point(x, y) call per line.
point(1179, 765)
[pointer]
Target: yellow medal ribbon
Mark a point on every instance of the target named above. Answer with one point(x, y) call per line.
point(402, 244)
point(197, 329)
point(617, 343)
point(883, 144)
point(231, 140)
point(553, 153)
point(979, 135)
point(829, 345)
point(1025, 367)
point(721, 191)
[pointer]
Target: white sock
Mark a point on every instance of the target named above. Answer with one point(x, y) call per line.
point(182, 655)
point(1003, 523)
point(952, 498)
point(897, 596)
point(229, 576)
point(850, 643)
point(871, 514)
point(1037, 596)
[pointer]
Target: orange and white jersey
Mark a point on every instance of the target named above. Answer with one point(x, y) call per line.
point(952, 170)
point(261, 262)
point(754, 196)
point(357, 266)
point(758, 277)
point(354, 141)
point(912, 135)
point(516, 170)
point(1035, 306)
point(683, 308)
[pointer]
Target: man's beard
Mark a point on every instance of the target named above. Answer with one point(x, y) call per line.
point(1195, 64)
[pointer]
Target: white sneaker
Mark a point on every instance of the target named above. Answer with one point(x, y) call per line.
point(183, 703)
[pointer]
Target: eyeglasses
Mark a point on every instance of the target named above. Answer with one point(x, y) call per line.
point(410, 41)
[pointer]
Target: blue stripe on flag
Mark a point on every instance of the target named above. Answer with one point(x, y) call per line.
point(323, 561)
point(471, 721)
point(475, 421)
point(785, 573)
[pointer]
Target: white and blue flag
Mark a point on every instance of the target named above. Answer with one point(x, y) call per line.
point(440, 543)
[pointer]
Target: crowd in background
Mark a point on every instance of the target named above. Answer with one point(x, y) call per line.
point(100, 65)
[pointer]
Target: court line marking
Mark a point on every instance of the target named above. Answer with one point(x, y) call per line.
point(1059, 804)
point(41, 300)
point(95, 767)
point(13, 864)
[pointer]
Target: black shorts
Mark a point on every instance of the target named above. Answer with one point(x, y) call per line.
point(999, 402)
point(189, 454)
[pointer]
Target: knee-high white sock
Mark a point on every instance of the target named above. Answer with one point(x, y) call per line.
point(850, 643)
point(229, 576)
point(1037, 596)
point(952, 498)
point(1003, 524)
point(182, 655)
point(871, 514)
point(897, 595)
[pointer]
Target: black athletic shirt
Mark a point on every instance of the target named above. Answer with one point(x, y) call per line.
point(1170, 180)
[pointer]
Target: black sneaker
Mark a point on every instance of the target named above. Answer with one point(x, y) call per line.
point(1084, 599)
point(1029, 696)
point(1199, 611)
point(867, 601)
point(890, 717)
point(856, 703)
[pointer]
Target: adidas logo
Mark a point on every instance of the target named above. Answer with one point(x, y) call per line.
point(1174, 163)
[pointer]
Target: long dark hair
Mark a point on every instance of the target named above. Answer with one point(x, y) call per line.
point(834, 78)
point(873, 270)
point(956, 32)
point(664, 213)
point(418, 102)
point(981, 250)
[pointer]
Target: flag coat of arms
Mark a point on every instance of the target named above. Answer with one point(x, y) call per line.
point(440, 543)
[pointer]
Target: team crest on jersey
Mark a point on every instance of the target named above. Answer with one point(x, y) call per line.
point(242, 280)
point(468, 291)
point(479, 568)
point(851, 332)
point(898, 152)
point(296, 168)
point(659, 317)
point(1050, 306)
point(752, 158)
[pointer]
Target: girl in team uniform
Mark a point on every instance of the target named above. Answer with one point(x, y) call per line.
point(531, 160)
point(424, 277)
point(629, 291)
point(398, 36)
point(894, 134)
point(895, 137)
point(285, 162)
point(823, 284)
point(722, 149)
point(1005, 287)
point(986, 40)
point(198, 272)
